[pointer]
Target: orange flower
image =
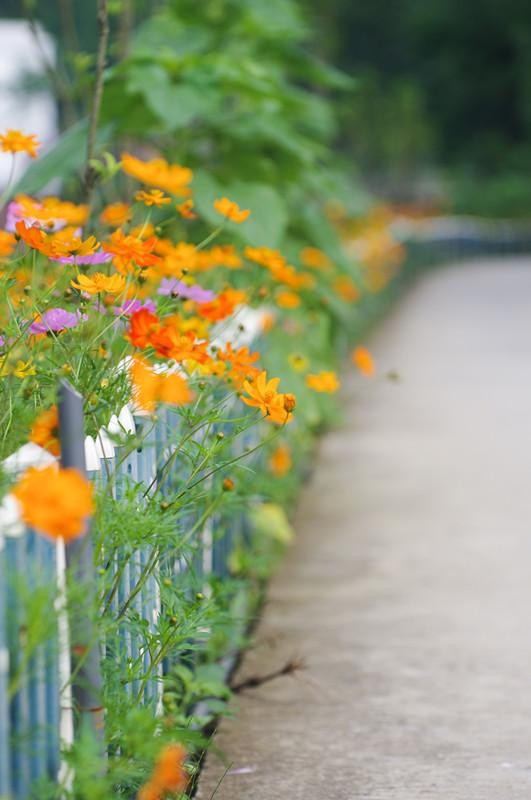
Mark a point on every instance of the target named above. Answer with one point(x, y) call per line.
point(45, 430)
point(280, 460)
point(116, 214)
point(99, 283)
point(265, 256)
point(170, 343)
point(290, 401)
point(227, 208)
point(33, 236)
point(169, 774)
point(177, 259)
point(363, 361)
point(288, 299)
point(13, 141)
point(171, 177)
point(61, 244)
point(346, 288)
point(64, 243)
point(55, 501)
point(263, 395)
point(185, 209)
point(223, 306)
point(51, 210)
point(150, 387)
point(129, 249)
point(155, 197)
point(289, 275)
point(314, 258)
point(221, 255)
point(142, 325)
point(323, 382)
point(7, 243)
point(241, 363)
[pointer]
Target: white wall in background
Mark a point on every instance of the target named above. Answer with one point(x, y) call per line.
point(30, 113)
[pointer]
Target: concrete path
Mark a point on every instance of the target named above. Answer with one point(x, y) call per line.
point(408, 591)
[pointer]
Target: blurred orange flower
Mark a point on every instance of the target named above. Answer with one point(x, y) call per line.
point(7, 243)
point(171, 177)
point(155, 197)
point(54, 501)
point(223, 305)
point(363, 360)
point(323, 382)
point(51, 210)
point(169, 774)
point(231, 210)
point(45, 430)
point(288, 299)
point(314, 258)
point(116, 214)
point(186, 209)
point(150, 387)
point(346, 288)
point(280, 460)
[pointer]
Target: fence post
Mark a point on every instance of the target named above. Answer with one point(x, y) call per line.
point(86, 688)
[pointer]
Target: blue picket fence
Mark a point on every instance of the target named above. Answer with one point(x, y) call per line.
point(35, 703)
point(35, 707)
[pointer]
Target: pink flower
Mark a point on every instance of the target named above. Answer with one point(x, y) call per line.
point(57, 319)
point(92, 258)
point(172, 286)
point(132, 306)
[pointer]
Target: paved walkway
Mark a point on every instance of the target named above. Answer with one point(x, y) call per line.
point(408, 591)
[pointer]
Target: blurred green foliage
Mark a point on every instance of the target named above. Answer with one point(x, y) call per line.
point(235, 90)
point(469, 66)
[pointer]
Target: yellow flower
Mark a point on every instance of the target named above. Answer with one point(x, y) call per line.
point(227, 208)
point(323, 382)
point(263, 395)
point(155, 197)
point(13, 141)
point(23, 369)
point(97, 283)
point(298, 362)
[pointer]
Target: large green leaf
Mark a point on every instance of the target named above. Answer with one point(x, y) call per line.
point(176, 106)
